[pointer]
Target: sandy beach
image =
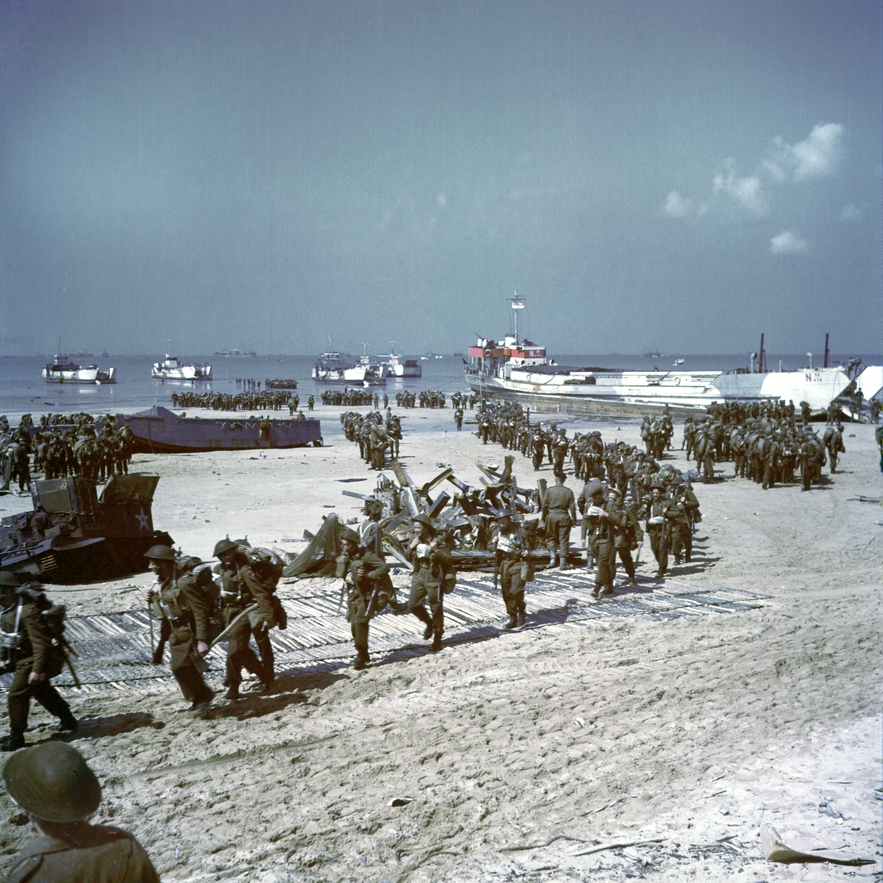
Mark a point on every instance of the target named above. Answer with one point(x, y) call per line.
point(627, 747)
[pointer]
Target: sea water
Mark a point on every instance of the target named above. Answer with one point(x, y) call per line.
point(23, 390)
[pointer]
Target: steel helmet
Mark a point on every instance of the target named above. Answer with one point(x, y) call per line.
point(424, 520)
point(160, 553)
point(52, 781)
point(225, 545)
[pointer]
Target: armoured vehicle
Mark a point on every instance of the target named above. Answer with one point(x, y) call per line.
point(73, 535)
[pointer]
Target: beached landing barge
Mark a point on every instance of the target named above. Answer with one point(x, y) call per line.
point(161, 431)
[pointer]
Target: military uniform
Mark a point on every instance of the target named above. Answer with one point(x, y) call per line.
point(559, 512)
point(235, 599)
point(30, 652)
point(242, 580)
point(610, 539)
point(679, 529)
point(187, 610)
point(591, 495)
point(538, 444)
point(97, 853)
point(509, 560)
point(431, 559)
point(654, 511)
point(369, 590)
point(54, 785)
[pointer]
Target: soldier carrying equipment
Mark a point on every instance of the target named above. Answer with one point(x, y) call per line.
point(35, 649)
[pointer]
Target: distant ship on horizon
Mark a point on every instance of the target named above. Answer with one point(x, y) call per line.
point(236, 353)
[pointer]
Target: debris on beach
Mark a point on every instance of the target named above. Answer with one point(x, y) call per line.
point(466, 516)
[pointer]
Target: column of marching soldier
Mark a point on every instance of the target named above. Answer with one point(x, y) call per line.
point(622, 488)
point(194, 605)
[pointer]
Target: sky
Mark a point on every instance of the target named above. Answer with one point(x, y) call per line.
point(273, 174)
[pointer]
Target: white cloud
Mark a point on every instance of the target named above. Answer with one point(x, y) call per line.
point(788, 242)
point(818, 156)
point(746, 192)
point(678, 206)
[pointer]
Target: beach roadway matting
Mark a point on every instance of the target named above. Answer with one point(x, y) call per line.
point(114, 649)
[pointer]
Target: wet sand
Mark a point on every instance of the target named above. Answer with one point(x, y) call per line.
point(637, 748)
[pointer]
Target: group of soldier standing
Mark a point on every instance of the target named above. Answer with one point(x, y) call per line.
point(374, 434)
point(92, 450)
point(767, 444)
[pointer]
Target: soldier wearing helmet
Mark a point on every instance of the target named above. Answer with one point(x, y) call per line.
point(655, 511)
point(366, 579)
point(188, 611)
point(29, 651)
point(242, 581)
point(559, 514)
point(54, 785)
point(236, 598)
point(431, 557)
point(512, 565)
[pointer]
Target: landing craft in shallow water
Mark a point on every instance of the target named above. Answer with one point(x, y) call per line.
point(519, 370)
point(74, 536)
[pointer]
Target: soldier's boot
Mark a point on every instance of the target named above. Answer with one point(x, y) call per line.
point(553, 559)
point(438, 629)
point(232, 693)
point(266, 673)
point(424, 617)
point(522, 616)
point(360, 636)
point(563, 565)
point(14, 741)
point(67, 723)
point(513, 620)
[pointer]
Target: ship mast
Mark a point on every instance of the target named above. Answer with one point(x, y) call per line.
point(517, 303)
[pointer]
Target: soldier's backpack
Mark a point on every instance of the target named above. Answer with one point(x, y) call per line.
point(267, 567)
point(202, 574)
point(266, 564)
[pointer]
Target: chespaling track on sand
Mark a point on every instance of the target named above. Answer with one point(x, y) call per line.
point(114, 649)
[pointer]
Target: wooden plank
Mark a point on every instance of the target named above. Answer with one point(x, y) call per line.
point(438, 505)
point(403, 478)
point(357, 495)
point(400, 558)
point(426, 488)
point(397, 519)
point(461, 486)
point(411, 501)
